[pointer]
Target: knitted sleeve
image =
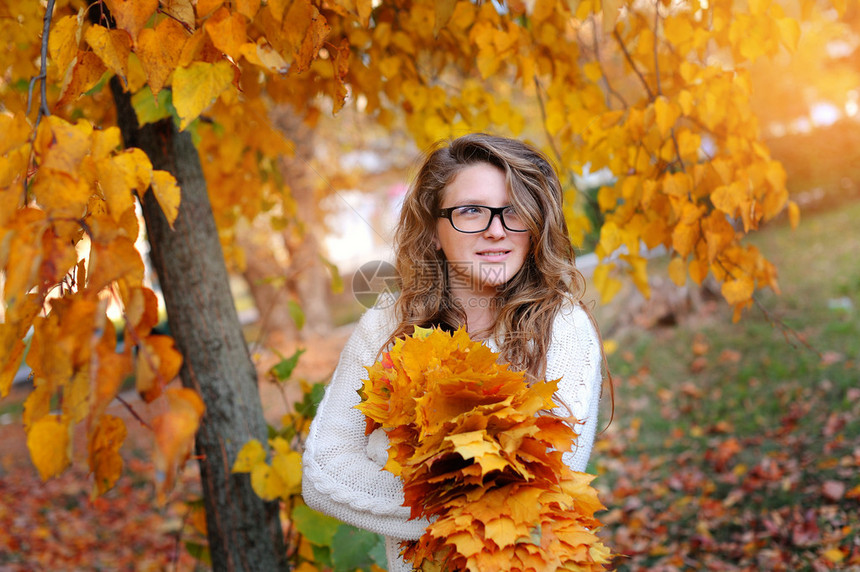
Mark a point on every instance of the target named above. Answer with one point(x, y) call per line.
point(574, 356)
point(342, 472)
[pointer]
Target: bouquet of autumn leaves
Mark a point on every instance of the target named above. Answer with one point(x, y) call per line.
point(480, 457)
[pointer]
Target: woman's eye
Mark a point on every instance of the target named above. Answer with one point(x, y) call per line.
point(469, 211)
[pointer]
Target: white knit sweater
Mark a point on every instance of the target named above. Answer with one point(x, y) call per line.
point(342, 467)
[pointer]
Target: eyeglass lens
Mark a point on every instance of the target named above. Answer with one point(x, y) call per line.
point(476, 219)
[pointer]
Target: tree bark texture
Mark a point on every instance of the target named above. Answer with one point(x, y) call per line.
point(244, 532)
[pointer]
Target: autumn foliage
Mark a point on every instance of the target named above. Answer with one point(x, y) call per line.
point(657, 93)
point(479, 459)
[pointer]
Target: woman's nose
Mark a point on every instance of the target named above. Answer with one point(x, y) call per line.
point(496, 227)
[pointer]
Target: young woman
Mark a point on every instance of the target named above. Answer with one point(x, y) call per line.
point(481, 243)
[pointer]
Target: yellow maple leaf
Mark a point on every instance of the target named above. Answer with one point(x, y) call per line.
point(196, 86)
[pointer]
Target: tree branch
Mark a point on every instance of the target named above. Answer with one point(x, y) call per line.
point(630, 61)
point(656, 45)
point(549, 137)
point(609, 89)
point(133, 412)
point(43, 76)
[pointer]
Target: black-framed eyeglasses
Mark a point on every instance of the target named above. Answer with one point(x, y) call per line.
point(478, 218)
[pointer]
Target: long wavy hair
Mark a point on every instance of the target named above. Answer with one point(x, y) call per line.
point(527, 304)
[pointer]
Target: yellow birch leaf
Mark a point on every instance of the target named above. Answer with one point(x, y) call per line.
point(639, 272)
point(158, 362)
point(85, 74)
point(115, 188)
point(611, 9)
point(678, 271)
point(306, 30)
point(677, 29)
point(181, 11)
point(111, 367)
point(688, 145)
point(266, 482)
point(168, 194)
point(793, 214)
point(22, 267)
point(116, 260)
point(686, 233)
point(112, 46)
point(141, 309)
point(131, 15)
point(227, 31)
point(365, 9)
point(607, 286)
point(206, 7)
point(248, 8)
point(698, 270)
point(195, 88)
point(174, 431)
point(63, 42)
point(62, 145)
point(135, 168)
point(250, 455)
point(738, 290)
point(10, 362)
point(76, 395)
point(288, 467)
point(264, 55)
point(727, 198)
point(789, 33)
point(159, 50)
point(104, 458)
point(610, 239)
point(685, 100)
point(49, 443)
point(60, 194)
point(666, 114)
point(340, 65)
point(444, 10)
point(105, 142)
point(677, 184)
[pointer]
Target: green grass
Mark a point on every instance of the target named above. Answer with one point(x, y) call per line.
point(781, 386)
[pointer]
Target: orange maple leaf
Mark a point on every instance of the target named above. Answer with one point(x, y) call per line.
point(480, 455)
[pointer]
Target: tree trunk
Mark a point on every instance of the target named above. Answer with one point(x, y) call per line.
point(244, 532)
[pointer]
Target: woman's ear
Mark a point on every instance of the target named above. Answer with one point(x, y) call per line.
point(437, 243)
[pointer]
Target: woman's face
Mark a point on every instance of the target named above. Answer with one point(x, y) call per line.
point(481, 261)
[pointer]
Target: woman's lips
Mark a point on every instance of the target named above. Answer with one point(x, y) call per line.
point(493, 255)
